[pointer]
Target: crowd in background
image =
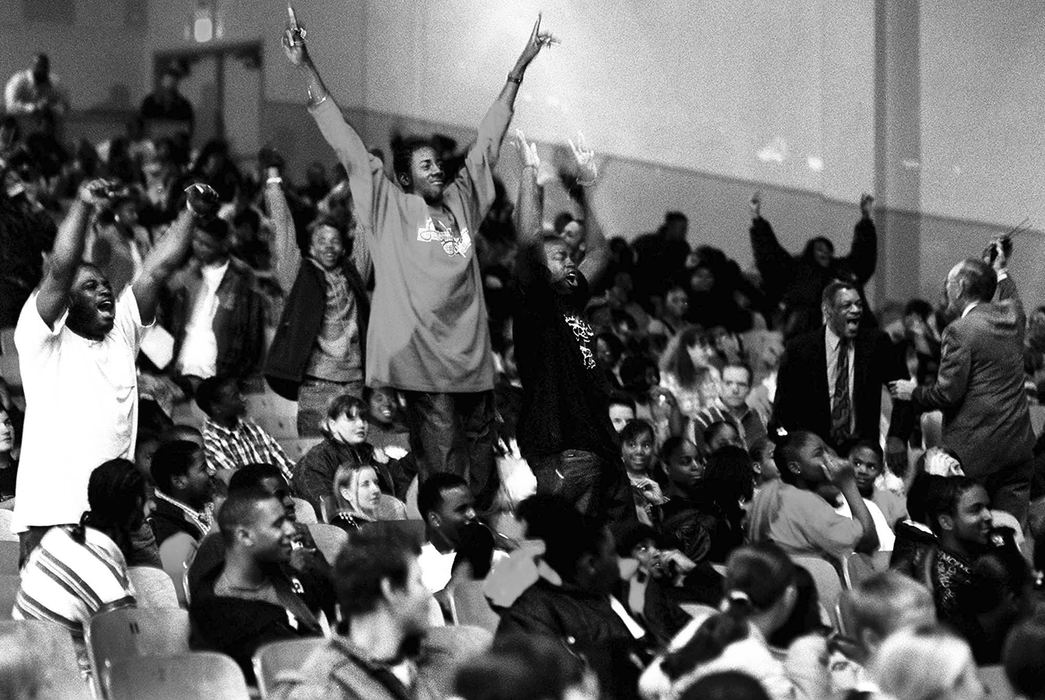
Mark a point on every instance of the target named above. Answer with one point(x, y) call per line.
point(680, 442)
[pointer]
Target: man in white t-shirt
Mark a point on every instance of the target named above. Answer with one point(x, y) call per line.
point(77, 346)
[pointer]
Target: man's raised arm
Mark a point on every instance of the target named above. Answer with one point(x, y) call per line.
point(170, 252)
point(349, 147)
point(597, 255)
point(53, 297)
point(495, 123)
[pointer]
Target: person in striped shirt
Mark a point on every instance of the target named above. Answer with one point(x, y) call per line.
point(79, 571)
point(731, 407)
point(230, 440)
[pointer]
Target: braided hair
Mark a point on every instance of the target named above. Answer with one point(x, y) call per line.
point(116, 496)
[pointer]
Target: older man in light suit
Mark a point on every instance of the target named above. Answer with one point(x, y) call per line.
point(980, 384)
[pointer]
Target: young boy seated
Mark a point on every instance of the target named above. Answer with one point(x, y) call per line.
point(797, 512)
point(868, 463)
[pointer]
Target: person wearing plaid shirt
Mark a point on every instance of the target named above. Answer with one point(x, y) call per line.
point(230, 440)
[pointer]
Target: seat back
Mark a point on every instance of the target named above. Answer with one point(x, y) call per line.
point(277, 657)
point(48, 659)
point(413, 529)
point(330, 539)
point(825, 577)
point(298, 447)
point(470, 607)
point(856, 568)
point(132, 633)
point(153, 588)
point(188, 676)
point(9, 553)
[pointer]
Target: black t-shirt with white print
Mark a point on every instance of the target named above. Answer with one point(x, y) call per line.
point(565, 401)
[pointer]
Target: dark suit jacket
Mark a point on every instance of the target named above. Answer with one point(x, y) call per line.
point(802, 398)
point(979, 386)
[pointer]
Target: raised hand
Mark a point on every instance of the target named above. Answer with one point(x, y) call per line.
point(294, 40)
point(756, 205)
point(534, 44)
point(587, 167)
point(527, 150)
point(202, 200)
point(838, 470)
point(866, 202)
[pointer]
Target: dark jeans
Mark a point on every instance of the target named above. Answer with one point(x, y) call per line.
point(597, 487)
point(144, 551)
point(455, 433)
point(1009, 488)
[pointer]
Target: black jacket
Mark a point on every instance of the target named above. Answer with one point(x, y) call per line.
point(301, 322)
point(802, 400)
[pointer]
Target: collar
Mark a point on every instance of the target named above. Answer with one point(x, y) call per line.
point(721, 405)
point(832, 339)
point(970, 307)
point(201, 519)
point(221, 429)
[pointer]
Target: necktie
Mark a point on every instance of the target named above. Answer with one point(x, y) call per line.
point(841, 402)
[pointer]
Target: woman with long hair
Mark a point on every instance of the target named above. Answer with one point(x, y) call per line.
point(760, 598)
point(358, 498)
point(686, 371)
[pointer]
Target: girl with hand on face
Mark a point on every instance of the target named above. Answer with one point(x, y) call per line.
point(637, 449)
point(686, 370)
point(358, 498)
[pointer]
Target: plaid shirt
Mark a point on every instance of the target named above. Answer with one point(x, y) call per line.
point(245, 444)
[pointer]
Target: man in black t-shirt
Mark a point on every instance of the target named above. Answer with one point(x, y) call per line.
point(564, 428)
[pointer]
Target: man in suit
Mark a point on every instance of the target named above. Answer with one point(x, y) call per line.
point(979, 386)
point(830, 380)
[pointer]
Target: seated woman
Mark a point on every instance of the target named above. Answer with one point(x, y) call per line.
point(8, 455)
point(97, 550)
point(358, 498)
point(388, 431)
point(636, 445)
point(345, 442)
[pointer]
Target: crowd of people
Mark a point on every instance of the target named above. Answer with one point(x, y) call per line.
point(682, 445)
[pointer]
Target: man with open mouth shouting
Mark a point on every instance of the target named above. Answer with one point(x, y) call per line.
point(830, 380)
point(77, 343)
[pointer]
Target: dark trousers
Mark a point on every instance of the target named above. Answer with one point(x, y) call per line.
point(1009, 488)
point(456, 433)
point(144, 551)
point(597, 487)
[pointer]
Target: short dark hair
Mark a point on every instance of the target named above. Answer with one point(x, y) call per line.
point(832, 290)
point(239, 509)
point(787, 451)
point(217, 228)
point(208, 389)
point(430, 492)
point(115, 490)
point(868, 445)
point(252, 475)
point(1021, 656)
point(740, 364)
point(618, 398)
point(634, 428)
point(567, 534)
point(326, 220)
point(373, 554)
point(342, 406)
point(172, 459)
point(919, 307)
point(716, 427)
point(942, 496)
point(726, 685)
point(981, 281)
point(506, 672)
point(403, 154)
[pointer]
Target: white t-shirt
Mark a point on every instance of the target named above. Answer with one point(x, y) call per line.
point(81, 410)
point(199, 350)
point(437, 567)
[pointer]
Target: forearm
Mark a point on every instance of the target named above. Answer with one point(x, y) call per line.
point(869, 540)
point(171, 250)
point(598, 249)
point(531, 207)
point(70, 242)
point(285, 255)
